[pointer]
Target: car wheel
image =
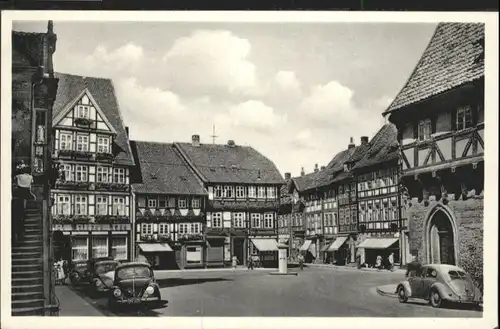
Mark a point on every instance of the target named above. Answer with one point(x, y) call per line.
point(435, 298)
point(403, 298)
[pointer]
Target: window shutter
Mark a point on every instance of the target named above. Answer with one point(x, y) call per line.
point(454, 120)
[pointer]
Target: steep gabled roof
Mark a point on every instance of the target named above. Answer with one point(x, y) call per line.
point(103, 91)
point(161, 170)
point(335, 168)
point(449, 61)
point(383, 147)
point(308, 181)
point(231, 164)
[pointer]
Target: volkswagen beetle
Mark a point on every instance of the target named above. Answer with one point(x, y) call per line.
point(438, 284)
point(103, 275)
point(135, 286)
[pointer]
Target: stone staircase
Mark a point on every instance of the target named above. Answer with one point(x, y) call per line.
point(27, 265)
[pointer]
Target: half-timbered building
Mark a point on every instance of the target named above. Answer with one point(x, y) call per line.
point(92, 194)
point(380, 219)
point(439, 114)
point(169, 200)
point(243, 200)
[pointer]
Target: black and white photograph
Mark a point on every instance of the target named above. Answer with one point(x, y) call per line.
point(240, 167)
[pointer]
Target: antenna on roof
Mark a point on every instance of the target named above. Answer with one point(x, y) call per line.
point(213, 135)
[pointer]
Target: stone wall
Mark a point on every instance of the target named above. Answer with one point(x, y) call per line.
point(468, 219)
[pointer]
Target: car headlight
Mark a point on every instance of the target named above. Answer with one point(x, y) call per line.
point(117, 292)
point(150, 290)
point(98, 283)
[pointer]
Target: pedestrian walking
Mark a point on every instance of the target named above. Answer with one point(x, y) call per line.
point(59, 269)
point(24, 180)
point(234, 262)
point(378, 262)
point(391, 262)
point(250, 263)
point(301, 261)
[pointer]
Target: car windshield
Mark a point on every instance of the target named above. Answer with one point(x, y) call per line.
point(130, 272)
point(102, 268)
point(458, 275)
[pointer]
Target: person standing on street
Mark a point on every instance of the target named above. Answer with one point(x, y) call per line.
point(301, 261)
point(250, 263)
point(391, 262)
point(234, 262)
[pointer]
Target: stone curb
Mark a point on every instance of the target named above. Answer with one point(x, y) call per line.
point(387, 290)
point(355, 268)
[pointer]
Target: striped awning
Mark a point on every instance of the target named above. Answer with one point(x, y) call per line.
point(337, 243)
point(155, 247)
point(265, 244)
point(306, 245)
point(378, 243)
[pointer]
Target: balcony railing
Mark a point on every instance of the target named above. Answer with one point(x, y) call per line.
point(72, 185)
point(84, 155)
point(105, 186)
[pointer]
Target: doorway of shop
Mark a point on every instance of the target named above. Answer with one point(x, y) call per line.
point(239, 250)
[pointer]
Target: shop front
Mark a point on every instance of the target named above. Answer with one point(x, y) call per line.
point(160, 255)
point(215, 251)
point(371, 248)
point(266, 250)
point(308, 248)
point(338, 251)
point(327, 256)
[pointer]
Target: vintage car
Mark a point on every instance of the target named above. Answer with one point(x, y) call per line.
point(439, 284)
point(103, 275)
point(135, 286)
point(81, 271)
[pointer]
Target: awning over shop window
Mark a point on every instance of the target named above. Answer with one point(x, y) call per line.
point(325, 247)
point(154, 247)
point(379, 243)
point(265, 244)
point(337, 243)
point(306, 245)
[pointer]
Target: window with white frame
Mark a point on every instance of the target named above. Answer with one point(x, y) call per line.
point(119, 175)
point(271, 192)
point(102, 174)
point(65, 141)
point(218, 191)
point(182, 203)
point(151, 203)
point(261, 192)
point(171, 202)
point(119, 247)
point(81, 173)
point(194, 228)
point(228, 191)
point(238, 219)
point(103, 145)
point(68, 172)
point(183, 228)
point(146, 228)
point(464, 118)
point(424, 130)
point(80, 204)
point(63, 205)
point(163, 228)
point(82, 143)
point(255, 218)
point(240, 191)
point(99, 246)
point(217, 219)
point(119, 206)
point(268, 220)
point(102, 205)
point(195, 203)
point(251, 192)
point(83, 111)
point(80, 248)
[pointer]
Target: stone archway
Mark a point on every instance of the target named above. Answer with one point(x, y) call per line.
point(441, 237)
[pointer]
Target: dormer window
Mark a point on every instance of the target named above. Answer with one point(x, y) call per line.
point(83, 111)
point(424, 130)
point(464, 118)
point(346, 167)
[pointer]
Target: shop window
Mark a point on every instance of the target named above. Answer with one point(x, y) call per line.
point(193, 254)
point(99, 246)
point(80, 248)
point(119, 247)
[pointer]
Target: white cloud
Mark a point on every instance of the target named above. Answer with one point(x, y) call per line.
point(252, 114)
point(210, 59)
point(125, 57)
point(287, 80)
point(330, 104)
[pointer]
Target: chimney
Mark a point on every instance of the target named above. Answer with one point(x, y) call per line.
point(323, 167)
point(316, 168)
point(126, 131)
point(288, 176)
point(230, 143)
point(302, 172)
point(364, 140)
point(195, 140)
point(351, 144)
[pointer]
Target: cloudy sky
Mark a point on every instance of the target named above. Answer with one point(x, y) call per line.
point(295, 92)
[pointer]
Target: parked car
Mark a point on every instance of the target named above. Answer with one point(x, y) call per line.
point(103, 275)
point(81, 271)
point(135, 286)
point(438, 284)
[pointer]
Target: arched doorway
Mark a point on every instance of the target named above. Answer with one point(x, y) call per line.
point(441, 238)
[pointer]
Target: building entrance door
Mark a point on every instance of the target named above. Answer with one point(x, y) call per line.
point(239, 250)
point(441, 239)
